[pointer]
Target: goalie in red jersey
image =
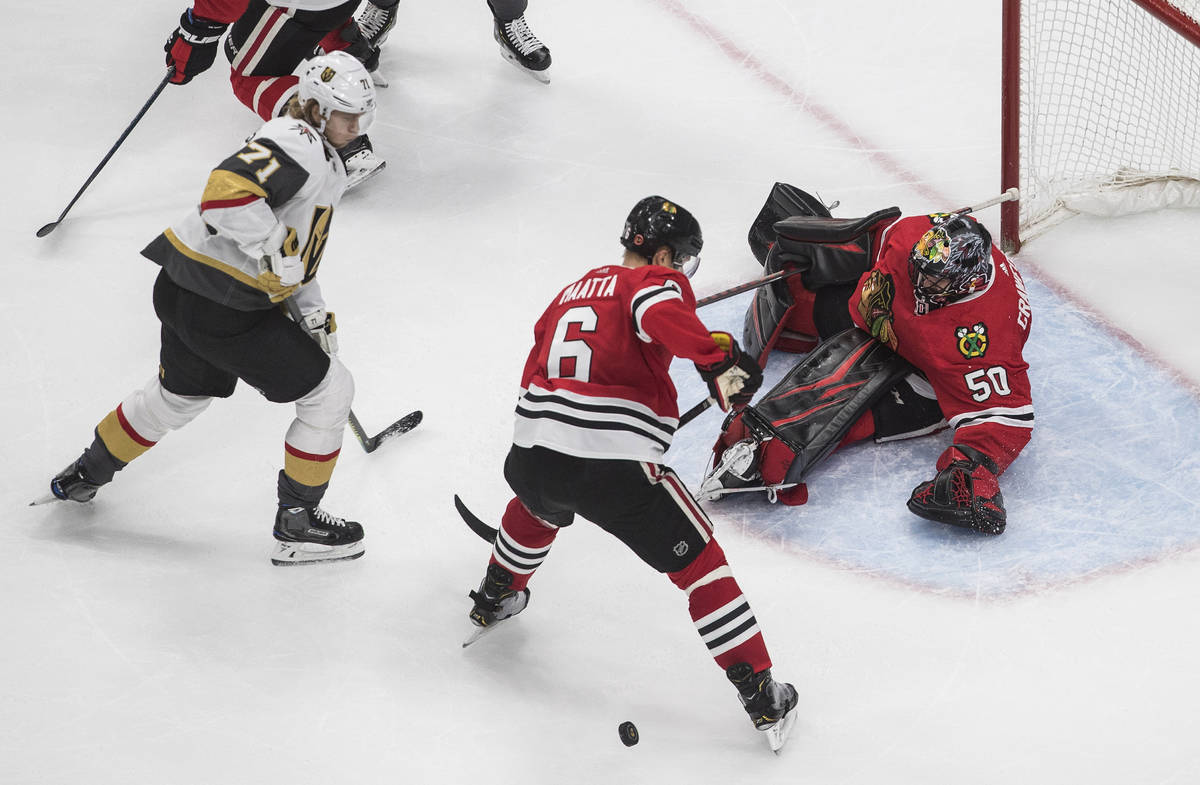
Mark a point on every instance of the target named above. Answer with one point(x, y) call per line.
point(911, 325)
point(596, 413)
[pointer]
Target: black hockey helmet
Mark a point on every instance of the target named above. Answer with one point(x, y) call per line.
point(949, 262)
point(654, 222)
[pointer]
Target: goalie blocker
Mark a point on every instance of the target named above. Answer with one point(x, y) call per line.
point(838, 394)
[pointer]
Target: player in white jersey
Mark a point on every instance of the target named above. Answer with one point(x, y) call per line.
point(596, 413)
point(238, 299)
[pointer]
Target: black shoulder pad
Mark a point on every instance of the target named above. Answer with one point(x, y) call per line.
point(817, 229)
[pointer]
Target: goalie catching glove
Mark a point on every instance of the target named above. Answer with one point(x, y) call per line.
point(731, 381)
point(964, 493)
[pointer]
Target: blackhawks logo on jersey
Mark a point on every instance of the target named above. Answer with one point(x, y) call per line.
point(875, 307)
point(972, 342)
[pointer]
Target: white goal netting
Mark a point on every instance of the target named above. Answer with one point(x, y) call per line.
point(1109, 110)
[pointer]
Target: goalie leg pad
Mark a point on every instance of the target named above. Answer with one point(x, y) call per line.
point(807, 414)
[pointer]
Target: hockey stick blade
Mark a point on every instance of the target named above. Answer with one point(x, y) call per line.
point(694, 412)
point(371, 443)
point(485, 532)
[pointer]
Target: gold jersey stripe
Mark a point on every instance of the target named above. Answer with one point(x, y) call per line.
point(224, 186)
point(240, 276)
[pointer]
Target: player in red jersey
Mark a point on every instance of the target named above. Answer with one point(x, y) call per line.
point(266, 43)
point(596, 413)
point(948, 302)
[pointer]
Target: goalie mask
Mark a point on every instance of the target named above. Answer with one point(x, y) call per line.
point(654, 222)
point(338, 82)
point(949, 262)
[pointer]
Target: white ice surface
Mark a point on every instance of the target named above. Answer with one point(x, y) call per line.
point(146, 639)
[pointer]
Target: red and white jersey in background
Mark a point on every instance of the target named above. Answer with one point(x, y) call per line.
point(229, 10)
point(597, 383)
point(970, 350)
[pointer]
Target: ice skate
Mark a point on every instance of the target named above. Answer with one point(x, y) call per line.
point(519, 46)
point(69, 485)
point(494, 602)
point(769, 703)
point(361, 161)
point(307, 535)
point(376, 21)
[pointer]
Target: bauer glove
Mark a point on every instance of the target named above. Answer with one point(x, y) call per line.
point(733, 380)
point(323, 328)
point(280, 267)
point(192, 48)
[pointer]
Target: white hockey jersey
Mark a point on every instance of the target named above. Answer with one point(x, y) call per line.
point(285, 174)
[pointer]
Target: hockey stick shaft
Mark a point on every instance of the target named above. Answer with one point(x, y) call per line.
point(1012, 194)
point(745, 287)
point(369, 443)
point(50, 227)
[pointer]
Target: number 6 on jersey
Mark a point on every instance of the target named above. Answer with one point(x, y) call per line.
point(571, 358)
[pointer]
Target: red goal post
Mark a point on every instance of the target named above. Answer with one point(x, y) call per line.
point(1100, 109)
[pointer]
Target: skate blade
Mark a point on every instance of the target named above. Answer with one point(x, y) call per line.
point(359, 177)
point(379, 79)
point(49, 497)
point(478, 633)
point(288, 554)
point(777, 734)
point(542, 76)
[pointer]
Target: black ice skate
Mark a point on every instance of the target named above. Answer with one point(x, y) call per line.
point(376, 20)
point(306, 535)
point(769, 703)
point(70, 485)
point(494, 602)
point(522, 48)
point(361, 161)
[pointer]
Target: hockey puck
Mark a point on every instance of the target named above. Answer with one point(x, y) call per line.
point(628, 733)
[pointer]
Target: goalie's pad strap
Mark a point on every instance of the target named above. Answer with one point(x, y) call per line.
point(765, 318)
point(783, 201)
point(810, 410)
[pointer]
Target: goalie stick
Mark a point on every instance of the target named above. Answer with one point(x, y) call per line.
point(1010, 195)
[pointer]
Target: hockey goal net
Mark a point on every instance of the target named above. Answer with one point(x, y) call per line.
point(1101, 109)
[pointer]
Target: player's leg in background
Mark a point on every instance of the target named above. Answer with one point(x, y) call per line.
point(517, 42)
point(265, 45)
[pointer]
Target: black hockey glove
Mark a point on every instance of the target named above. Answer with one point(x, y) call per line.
point(965, 493)
point(733, 380)
point(192, 48)
point(359, 47)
